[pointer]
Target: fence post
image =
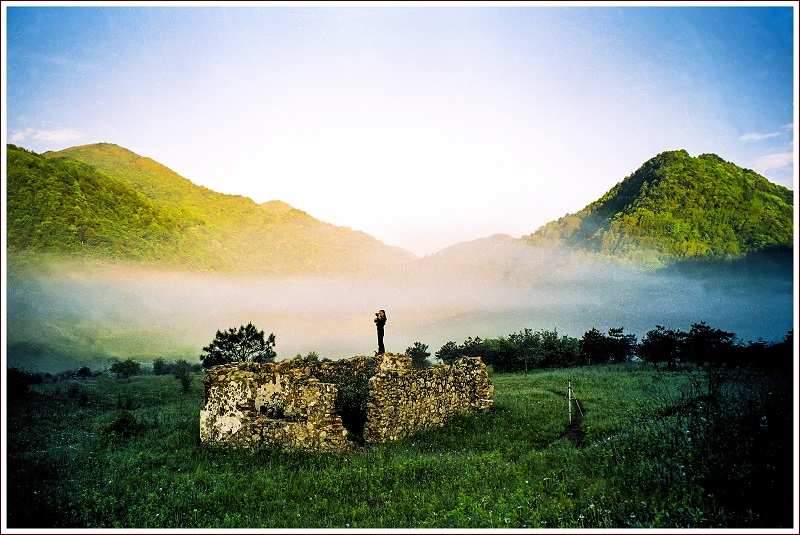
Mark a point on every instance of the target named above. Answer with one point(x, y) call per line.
point(569, 399)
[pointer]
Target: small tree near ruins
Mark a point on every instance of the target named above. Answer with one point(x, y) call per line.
point(245, 344)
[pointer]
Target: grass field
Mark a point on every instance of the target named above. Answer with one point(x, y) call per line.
point(691, 448)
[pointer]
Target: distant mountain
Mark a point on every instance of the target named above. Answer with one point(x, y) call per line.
point(677, 207)
point(503, 258)
point(103, 201)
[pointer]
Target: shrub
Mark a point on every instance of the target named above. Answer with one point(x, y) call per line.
point(124, 426)
point(19, 382)
point(78, 394)
point(125, 368)
point(181, 373)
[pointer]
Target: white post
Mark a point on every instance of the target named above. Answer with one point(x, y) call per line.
point(569, 399)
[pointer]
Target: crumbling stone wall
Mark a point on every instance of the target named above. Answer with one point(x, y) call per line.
point(286, 405)
point(251, 405)
point(404, 401)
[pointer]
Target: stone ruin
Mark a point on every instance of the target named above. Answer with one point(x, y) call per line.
point(297, 405)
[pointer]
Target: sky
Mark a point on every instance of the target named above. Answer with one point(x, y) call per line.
point(421, 124)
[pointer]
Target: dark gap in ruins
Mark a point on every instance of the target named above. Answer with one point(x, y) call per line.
point(352, 397)
point(274, 412)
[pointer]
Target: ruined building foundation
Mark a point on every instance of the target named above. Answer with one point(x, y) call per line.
point(296, 405)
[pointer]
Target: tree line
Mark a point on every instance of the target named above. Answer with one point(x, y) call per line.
point(528, 350)
point(523, 351)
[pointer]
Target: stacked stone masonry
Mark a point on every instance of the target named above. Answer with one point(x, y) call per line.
point(288, 405)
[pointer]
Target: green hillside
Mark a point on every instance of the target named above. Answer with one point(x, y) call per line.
point(68, 207)
point(104, 201)
point(678, 207)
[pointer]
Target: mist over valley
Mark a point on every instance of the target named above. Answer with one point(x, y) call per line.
point(70, 317)
point(112, 255)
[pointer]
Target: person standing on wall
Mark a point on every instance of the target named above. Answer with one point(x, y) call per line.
point(380, 321)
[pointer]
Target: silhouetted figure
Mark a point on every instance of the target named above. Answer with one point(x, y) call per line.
point(380, 321)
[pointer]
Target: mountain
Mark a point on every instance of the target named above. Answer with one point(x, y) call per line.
point(105, 202)
point(68, 207)
point(121, 217)
point(676, 207)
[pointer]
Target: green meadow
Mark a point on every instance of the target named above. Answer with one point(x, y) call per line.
point(692, 448)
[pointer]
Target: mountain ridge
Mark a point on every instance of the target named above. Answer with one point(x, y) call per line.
point(212, 231)
point(677, 207)
point(673, 208)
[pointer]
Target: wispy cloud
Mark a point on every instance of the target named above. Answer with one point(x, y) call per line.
point(758, 137)
point(57, 136)
point(21, 135)
point(771, 162)
point(47, 136)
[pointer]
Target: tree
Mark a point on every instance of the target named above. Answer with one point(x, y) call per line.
point(621, 346)
point(448, 353)
point(160, 366)
point(181, 373)
point(594, 347)
point(125, 368)
point(504, 354)
point(312, 356)
point(662, 345)
point(85, 372)
point(527, 350)
point(245, 344)
point(419, 355)
point(706, 344)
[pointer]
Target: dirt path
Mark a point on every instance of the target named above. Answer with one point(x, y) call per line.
point(574, 432)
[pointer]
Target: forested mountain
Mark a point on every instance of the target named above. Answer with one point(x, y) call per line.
point(104, 201)
point(678, 207)
point(122, 218)
point(67, 206)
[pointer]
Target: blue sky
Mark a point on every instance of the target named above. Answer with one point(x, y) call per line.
point(421, 124)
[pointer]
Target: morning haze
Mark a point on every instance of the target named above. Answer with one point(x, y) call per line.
point(113, 255)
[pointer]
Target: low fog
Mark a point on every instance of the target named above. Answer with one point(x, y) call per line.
point(489, 288)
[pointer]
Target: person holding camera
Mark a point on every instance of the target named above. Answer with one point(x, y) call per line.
point(380, 321)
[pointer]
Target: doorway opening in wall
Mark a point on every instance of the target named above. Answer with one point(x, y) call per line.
point(352, 398)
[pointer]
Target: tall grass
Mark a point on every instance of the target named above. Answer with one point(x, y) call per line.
point(661, 449)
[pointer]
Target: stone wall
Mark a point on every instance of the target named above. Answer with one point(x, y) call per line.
point(278, 404)
point(404, 400)
point(285, 404)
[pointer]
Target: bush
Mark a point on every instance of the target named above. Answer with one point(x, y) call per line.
point(160, 367)
point(78, 394)
point(124, 426)
point(181, 373)
point(125, 368)
point(19, 382)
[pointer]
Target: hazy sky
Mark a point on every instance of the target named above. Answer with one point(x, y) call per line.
point(420, 124)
